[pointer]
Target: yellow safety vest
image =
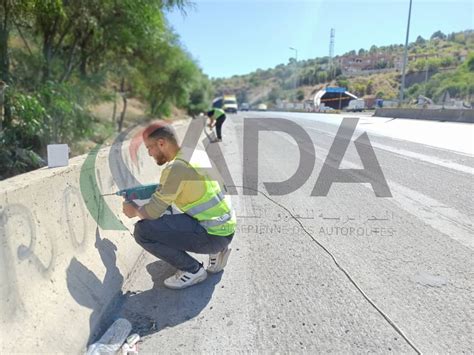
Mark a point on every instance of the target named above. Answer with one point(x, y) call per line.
point(217, 113)
point(213, 210)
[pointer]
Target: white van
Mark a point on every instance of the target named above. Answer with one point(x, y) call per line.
point(357, 105)
point(229, 103)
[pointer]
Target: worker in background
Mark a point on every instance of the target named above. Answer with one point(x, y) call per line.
point(207, 225)
point(217, 117)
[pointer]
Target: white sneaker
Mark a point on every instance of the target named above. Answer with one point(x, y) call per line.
point(218, 261)
point(183, 279)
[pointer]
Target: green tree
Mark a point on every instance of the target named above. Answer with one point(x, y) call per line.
point(322, 77)
point(342, 82)
point(200, 95)
point(370, 88)
point(359, 89)
point(458, 83)
point(172, 83)
point(420, 40)
point(12, 12)
point(373, 49)
point(70, 48)
point(381, 64)
point(242, 96)
point(274, 94)
point(470, 62)
point(438, 35)
point(300, 95)
point(414, 90)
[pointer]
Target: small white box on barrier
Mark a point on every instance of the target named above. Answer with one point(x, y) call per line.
point(58, 155)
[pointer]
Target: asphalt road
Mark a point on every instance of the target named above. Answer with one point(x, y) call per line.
point(403, 278)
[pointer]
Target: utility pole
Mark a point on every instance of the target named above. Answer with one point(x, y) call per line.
point(402, 85)
point(296, 53)
point(332, 67)
point(332, 35)
point(426, 76)
point(296, 65)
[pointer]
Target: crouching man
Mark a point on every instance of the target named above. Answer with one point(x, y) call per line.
point(206, 225)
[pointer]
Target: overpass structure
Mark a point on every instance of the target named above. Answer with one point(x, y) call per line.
point(335, 97)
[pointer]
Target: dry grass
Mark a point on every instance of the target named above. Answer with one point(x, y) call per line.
point(104, 127)
point(386, 83)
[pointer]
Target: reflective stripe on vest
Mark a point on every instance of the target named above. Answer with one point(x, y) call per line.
point(206, 205)
point(213, 211)
point(217, 221)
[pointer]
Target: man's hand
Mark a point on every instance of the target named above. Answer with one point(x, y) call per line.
point(130, 209)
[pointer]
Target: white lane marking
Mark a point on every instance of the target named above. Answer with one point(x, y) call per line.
point(453, 137)
point(426, 158)
point(439, 216)
point(409, 154)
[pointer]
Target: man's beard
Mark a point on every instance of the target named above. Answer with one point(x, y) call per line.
point(160, 160)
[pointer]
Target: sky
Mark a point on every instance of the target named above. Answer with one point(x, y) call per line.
point(234, 37)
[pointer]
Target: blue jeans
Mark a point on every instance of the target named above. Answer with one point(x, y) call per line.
point(171, 236)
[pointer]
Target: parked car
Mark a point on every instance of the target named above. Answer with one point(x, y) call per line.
point(357, 105)
point(326, 109)
point(262, 107)
point(244, 106)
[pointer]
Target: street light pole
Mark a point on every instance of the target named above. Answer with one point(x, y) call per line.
point(402, 85)
point(296, 65)
point(296, 53)
point(426, 75)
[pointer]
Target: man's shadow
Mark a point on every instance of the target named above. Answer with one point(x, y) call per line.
point(89, 291)
point(159, 307)
point(149, 311)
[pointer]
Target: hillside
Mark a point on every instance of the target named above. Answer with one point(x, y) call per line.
point(76, 74)
point(375, 71)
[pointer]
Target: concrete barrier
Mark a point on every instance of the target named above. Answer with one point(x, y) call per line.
point(65, 251)
point(451, 115)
